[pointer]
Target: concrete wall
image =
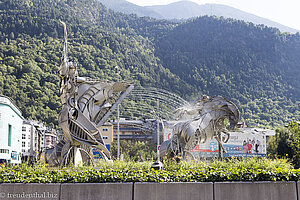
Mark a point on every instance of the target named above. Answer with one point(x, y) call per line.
point(153, 191)
point(174, 191)
point(255, 191)
point(99, 191)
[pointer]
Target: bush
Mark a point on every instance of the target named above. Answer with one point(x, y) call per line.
point(253, 169)
point(286, 144)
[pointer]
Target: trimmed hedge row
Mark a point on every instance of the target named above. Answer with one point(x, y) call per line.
point(91, 175)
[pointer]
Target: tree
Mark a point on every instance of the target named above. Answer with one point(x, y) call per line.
point(135, 150)
point(294, 130)
point(286, 143)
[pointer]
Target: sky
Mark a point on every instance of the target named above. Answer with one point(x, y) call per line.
point(285, 12)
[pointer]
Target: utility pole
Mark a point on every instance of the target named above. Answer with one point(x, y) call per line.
point(157, 128)
point(157, 165)
point(118, 121)
point(118, 130)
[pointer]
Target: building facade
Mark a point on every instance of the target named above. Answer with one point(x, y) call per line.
point(10, 131)
point(50, 138)
point(135, 129)
point(107, 132)
point(36, 137)
point(32, 139)
point(107, 136)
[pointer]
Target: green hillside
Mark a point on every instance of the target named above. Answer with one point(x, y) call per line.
point(31, 46)
point(257, 67)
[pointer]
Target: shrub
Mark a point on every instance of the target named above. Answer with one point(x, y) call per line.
point(253, 169)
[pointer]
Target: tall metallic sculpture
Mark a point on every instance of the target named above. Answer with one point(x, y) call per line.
point(86, 105)
point(202, 121)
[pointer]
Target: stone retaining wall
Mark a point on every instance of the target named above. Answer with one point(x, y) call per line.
point(152, 191)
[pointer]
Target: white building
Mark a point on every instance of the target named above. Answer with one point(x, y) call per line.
point(32, 139)
point(35, 137)
point(10, 131)
point(50, 138)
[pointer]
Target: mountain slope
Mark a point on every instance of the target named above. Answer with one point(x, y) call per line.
point(129, 8)
point(255, 66)
point(31, 46)
point(188, 9)
point(244, 62)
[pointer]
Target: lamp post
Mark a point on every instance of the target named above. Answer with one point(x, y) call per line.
point(118, 121)
point(157, 165)
point(157, 127)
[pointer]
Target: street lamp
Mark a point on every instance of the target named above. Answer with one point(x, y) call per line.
point(157, 127)
point(157, 165)
point(118, 120)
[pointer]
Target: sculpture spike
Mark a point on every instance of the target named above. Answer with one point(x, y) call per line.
point(65, 49)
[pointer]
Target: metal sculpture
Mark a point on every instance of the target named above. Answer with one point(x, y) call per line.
point(202, 121)
point(86, 105)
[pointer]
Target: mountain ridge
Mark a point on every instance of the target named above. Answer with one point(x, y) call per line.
point(257, 67)
point(218, 10)
point(189, 9)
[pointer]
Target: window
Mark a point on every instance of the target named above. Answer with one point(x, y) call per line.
point(23, 136)
point(4, 151)
point(105, 137)
point(105, 129)
point(23, 128)
point(23, 144)
point(28, 144)
point(9, 135)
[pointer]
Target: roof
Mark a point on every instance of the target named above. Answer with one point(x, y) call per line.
point(267, 132)
point(7, 101)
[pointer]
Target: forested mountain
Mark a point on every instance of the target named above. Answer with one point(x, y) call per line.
point(182, 10)
point(31, 47)
point(130, 8)
point(188, 9)
point(256, 66)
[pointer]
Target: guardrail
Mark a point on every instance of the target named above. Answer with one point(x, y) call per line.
point(153, 191)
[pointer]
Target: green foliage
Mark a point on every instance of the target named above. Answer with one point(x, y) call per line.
point(285, 144)
point(242, 62)
point(280, 144)
point(294, 130)
point(234, 170)
point(121, 165)
point(30, 60)
point(255, 66)
point(135, 150)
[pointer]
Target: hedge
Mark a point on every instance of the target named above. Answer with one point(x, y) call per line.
point(143, 173)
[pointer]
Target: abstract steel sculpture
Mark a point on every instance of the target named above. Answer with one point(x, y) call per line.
point(203, 121)
point(86, 105)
